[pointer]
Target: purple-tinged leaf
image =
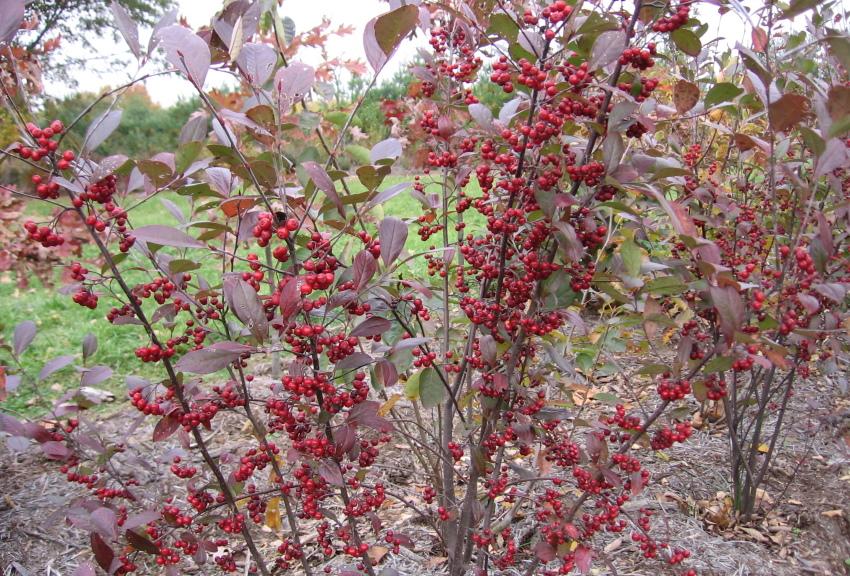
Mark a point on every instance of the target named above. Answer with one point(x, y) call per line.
point(324, 183)
point(246, 304)
point(187, 52)
point(832, 290)
point(290, 299)
point(354, 361)
point(212, 358)
point(174, 209)
point(55, 450)
point(810, 303)
point(393, 234)
point(166, 426)
point(292, 83)
point(105, 522)
point(95, 375)
point(100, 129)
point(257, 61)
point(834, 156)
point(584, 557)
point(195, 129)
point(385, 149)
point(482, 116)
point(135, 383)
point(128, 29)
point(84, 569)
point(544, 551)
point(383, 34)
point(55, 365)
point(365, 267)
point(103, 553)
point(386, 373)
point(408, 343)
point(89, 346)
point(165, 236)
point(330, 473)
point(366, 414)
point(487, 345)
point(371, 327)
point(730, 307)
point(166, 20)
point(385, 195)
point(607, 48)
point(18, 443)
point(11, 17)
point(24, 334)
point(11, 425)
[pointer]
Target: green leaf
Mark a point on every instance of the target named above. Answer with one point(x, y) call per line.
point(840, 126)
point(632, 257)
point(360, 154)
point(186, 154)
point(797, 7)
point(503, 26)
point(722, 92)
point(411, 387)
point(607, 398)
point(839, 45)
point(431, 388)
point(665, 285)
point(686, 41)
point(337, 117)
point(718, 364)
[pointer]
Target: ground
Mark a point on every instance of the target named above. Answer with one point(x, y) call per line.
point(807, 532)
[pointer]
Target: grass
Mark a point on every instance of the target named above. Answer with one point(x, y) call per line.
point(62, 324)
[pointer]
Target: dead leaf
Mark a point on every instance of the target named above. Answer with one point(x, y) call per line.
point(838, 102)
point(833, 513)
point(789, 110)
point(273, 514)
point(376, 554)
point(685, 96)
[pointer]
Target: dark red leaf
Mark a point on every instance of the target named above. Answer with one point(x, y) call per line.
point(245, 303)
point(330, 472)
point(166, 426)
point(212, 358)
point(103, 553)
point(324, 183)
point(23, 336)
point(393, 234)
point(166, 236)
point(290, 299)
point(366, 414)
point(365, 267)
point(141, 543)
point(371, 327)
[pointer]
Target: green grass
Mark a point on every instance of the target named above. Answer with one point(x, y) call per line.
point(62, 324)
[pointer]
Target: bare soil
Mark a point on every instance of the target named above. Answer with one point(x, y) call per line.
point(804, 527)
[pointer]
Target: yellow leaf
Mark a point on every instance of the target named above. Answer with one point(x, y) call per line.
point(388, 405)
point(273, 514)
point(763, 448)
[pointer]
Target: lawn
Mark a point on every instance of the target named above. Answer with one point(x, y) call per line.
point(62, 324)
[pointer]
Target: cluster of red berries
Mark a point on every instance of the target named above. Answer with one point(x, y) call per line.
point(677, 20)
point(640, 58)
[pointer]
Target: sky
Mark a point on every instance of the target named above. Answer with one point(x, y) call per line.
point(166, 90)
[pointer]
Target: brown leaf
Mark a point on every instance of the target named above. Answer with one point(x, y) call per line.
point(685, 96)
point(759, 39)
point(376, 554)
point(838, 102)
point(788, 111)
point(744, 142)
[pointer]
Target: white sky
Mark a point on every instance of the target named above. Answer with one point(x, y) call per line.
point(305, 13)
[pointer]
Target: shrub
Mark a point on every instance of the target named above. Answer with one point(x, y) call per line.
point(590, 185)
